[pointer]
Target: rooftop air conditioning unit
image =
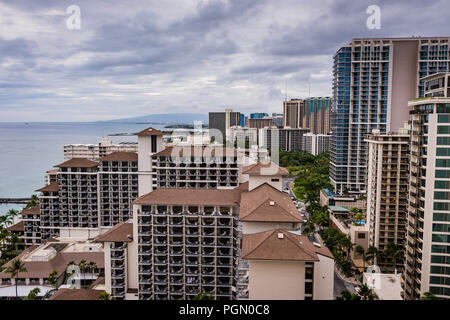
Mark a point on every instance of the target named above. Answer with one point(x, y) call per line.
point(317, 245)
point(280, 236)
point(272, 203)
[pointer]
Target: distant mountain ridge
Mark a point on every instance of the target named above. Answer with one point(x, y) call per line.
point(165, 118)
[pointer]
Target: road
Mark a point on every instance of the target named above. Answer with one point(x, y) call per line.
point(339, 284)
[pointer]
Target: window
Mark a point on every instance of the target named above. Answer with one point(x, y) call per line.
point(361, 235)
point(153, 144)
point(275, 180)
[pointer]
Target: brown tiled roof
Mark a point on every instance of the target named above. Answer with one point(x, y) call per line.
point(256, 206)
point(41, 269)
point(17, 227)
point(121, 156)
point(31, 211)
point(194, 197)
point(78, 163)
point(53, 171)
point(76, 294)
point(150, 132)
point(243, 187)
point(121, 232)
point(191, 151)
point(268, 245)
point(265, 169)
point(52, 187)
point(100, 280)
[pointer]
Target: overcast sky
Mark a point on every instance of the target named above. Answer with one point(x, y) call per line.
point(136, 57)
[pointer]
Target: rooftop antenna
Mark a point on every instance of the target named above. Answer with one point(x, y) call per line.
point(285, 98)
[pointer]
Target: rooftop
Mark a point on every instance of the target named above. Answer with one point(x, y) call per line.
point(265, 169)
point(76, 294)
point(31, 211)
point(265, 203)
point(281, 245)
point(121, 232)
point(56, 255)
point(150, 132)
point(121, 156)
point(78, 163)
point(52, 187)
point(194, 197)
point(17, 227)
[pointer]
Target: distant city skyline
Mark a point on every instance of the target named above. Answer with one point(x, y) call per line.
point(146, 57)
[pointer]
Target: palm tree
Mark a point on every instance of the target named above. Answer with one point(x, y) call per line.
point(34, 201)
point(428, 296)
point(83, 266)
point(203, 296)
point(359, 217)
point(373, 254)
point(53, 279)
point(92, 266)
point(362, 253)
point(14, 269)
point(366, 293)
point(32, 294)
point(105, 296)
point(393, 252)
point(347, 295)
point(12, 213)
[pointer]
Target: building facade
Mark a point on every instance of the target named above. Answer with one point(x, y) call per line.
point(317, 115)
point(317, 143)
point(373, 81)
point(283, 139)
point(428, 231)
point(96, 151)
point(293, 112)
point(387, 195)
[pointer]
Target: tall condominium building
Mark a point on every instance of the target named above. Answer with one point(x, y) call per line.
point(96, 151)
point(317, 115)
point(259, 123)
point(373, 81)
point(278, 120)
point(317, 143)
point(221, 121)
point(428, 240)
point(293, 112)
point(284, 139)
point(387, 194)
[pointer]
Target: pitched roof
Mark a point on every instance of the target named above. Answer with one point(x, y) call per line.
point(267, 204)
point(31, 211)
point(243, 186)
point(78, 163)
point(121, 232)
point(265, 169)
point(41, 269)
point(76, 294)
point(53, 171)
point(194, 197)
point(150, 132)
point(121, 156)
point(281, 245)
point(17, 227)
point(52, 187)
point(191, 151)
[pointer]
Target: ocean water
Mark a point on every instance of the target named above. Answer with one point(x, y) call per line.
point(27, 151)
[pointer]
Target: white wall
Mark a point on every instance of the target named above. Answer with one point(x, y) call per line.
point(256, 181)
point(107, 253)
point(323, 279)
point(289, 283)
point(255, 227)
